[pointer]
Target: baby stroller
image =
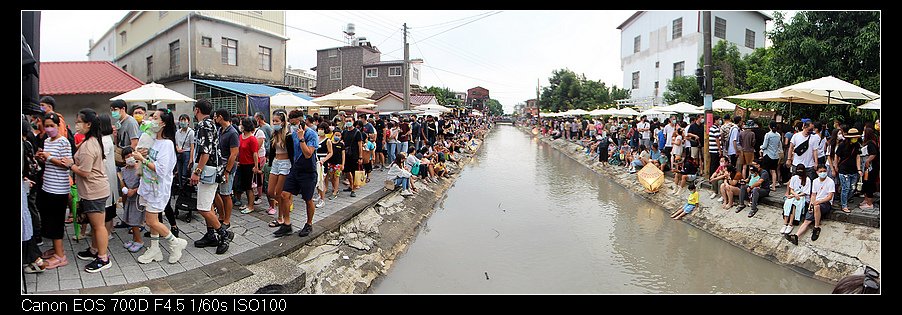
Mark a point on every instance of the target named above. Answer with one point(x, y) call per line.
point(186, 198)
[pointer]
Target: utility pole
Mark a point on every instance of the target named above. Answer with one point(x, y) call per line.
point(538, 108)
point(709, 90)
point(406, 70)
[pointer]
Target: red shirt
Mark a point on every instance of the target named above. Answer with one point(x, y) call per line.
point(246, 149)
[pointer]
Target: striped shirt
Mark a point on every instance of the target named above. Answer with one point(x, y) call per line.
point(713, 134)
point(56, 178)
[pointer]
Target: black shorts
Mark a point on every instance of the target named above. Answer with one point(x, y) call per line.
point(379, 147)
point(52, 208)
point(110, 213)
point(825, 209)
point(300, 183)
point(245, 176)
point(91, 206)
point(368, 167)
point(351, 164)
point(768, 164)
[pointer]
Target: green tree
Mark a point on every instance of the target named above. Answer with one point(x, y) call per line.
point(494, 107)
point(567, 90)
point(683, 89)
point(844, 44)
point(443, 95)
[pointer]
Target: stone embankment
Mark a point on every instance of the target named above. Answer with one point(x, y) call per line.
point(842, 248)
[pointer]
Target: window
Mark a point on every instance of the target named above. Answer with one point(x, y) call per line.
point(657, 64)
point(334, 73)
point(416, 74)
point(163, 13)
point(149, 67)
point(750, 38)
point(265, 58)
point(123, 37)
point(372, 72)
point(657, 84)
point(333, 53)
point(636, 80)
point(720, 28)
point(394, 71)
point(174, 56)
point(206, 42)
point(125, 68)
point(637, 43)
point(229, 51)
point(677, 28)
point(678, 69)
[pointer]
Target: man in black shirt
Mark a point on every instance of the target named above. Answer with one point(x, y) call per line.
point(416, 133)
point(353, 140)
point(380, 143)
point(431, 131)
point(697, 132)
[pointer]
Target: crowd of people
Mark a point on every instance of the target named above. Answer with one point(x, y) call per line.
point(139, 160)
point(817, 165)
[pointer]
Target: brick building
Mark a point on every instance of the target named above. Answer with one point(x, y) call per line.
point(476, 97)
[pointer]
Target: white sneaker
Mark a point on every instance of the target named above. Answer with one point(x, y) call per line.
point(175, 249)
point(406, 193)
point(783, 230)
point(153, 253)
point(258, 201)
point(714, 195)
point(720, 199)
point(320, 203)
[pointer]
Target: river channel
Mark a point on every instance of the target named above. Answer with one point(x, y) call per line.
point(525, 218)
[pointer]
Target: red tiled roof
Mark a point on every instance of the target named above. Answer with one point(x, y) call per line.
point(414, 99)
point(85, 77)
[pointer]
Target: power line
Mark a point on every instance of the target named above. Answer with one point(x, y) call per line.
point(445, 31)
point(449, 22)
point(474, 57)
point(376, 20)
point(286, 25)
point(348, 19)
point(466, 76)
point(422, 55)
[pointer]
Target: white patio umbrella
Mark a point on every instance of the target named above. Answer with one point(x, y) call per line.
point(723, 105)
point(430, 113)
point(655, 111)
point(340, 99)
point(683, 107)
point(433, 107)
point(598, 112)
point(625, 112)
point(287, 99)
point(578, 112)
point(830, 86)
point(875, 104)
point(356, 107)
point(153, 92)
point(359, 91)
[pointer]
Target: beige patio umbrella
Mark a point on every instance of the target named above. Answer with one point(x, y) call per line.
point(682, 107)
point(784, 95)
point(723, 105)
point(433, 107)
point(359, 91)
point(830, 86)
point(356, 107)
point(341, 99)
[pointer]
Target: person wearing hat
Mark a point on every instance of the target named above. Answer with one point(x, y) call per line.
point(746, 150)
point(847, 164)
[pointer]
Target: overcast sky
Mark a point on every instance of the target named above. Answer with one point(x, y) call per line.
point(503, 51)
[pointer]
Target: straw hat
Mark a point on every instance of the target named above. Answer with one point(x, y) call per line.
point(852, 133)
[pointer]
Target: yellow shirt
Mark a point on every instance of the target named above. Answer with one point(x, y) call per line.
point(693, 198)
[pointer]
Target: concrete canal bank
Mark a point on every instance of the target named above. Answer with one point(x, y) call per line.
point(357, 246)
point(841, 250)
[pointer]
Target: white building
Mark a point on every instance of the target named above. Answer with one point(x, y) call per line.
point(301, 79)
point(656, 46)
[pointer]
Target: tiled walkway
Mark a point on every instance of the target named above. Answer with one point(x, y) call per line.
point(251, 230)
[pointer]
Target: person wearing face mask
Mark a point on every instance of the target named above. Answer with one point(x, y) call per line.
point(228, 147)
point(871, 167)
point(133, 214)
point(796, 197)
point(719, 175)
point(846, 164)
point(280, 164)
point(93, 189)
point(54, 194)
point(714, 148)
point(323, 154)
point(353, 140)
point(804, 139)
point(184, 147)
point(822, 190)
point(248, 158)
point(158, 164)
point(301, 179)
point(138, 112)
point(757, 186)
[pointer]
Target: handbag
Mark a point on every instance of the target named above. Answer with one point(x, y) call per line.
point(802, 148)
point(359, 178)
point(120, 162)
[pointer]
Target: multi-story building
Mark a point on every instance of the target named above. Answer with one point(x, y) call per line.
point(301, 80)
point(531, 107)
point(476, 98)
point(657, 46)
point(175, 48)
point(361, 65)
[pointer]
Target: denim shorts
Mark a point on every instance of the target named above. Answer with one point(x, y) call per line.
point(688, 208)
point(280, 167)
point(226, 187)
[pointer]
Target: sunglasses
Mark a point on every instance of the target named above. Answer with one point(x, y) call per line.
point(870, 283)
